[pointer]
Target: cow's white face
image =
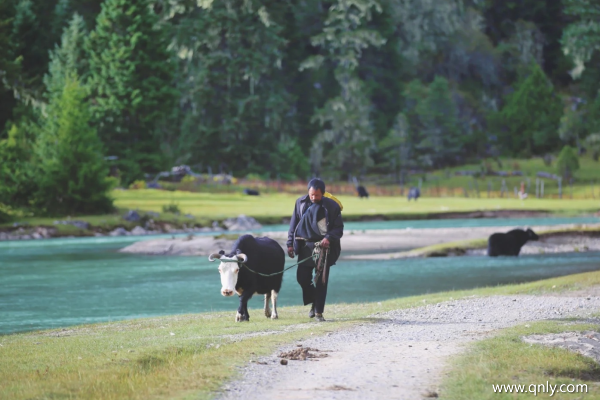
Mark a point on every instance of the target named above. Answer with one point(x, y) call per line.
point(229, 276)
point(229, 270)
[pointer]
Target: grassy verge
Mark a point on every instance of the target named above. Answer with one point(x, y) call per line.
point(506, 359)
point(204, 208)
point(280, 205)
point(187, 355)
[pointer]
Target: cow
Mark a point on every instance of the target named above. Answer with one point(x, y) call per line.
point(251, 192)
point(362, 192)
point(509, 243)
point(260, 254)
point(414, 193)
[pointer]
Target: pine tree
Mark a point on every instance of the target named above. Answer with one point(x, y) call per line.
point(62, 14)
point(16, 173)
point(581, 38)
point(9, 65)
point(347, 140)
point(531, 115)
point(31, 38)
point(68, 59)
point(131, 83)
point(398, 148)
point(71, 171)
point(236, 107)
point(440, 137)
point(567, 162)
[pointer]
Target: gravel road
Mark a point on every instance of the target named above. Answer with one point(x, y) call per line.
point(401, 354)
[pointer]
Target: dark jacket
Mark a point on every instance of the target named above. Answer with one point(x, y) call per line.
point(335, 226)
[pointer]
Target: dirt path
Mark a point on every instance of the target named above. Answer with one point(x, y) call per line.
point(403, 353)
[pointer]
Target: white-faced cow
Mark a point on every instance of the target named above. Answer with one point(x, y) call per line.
point(262, 255)
point(509, 243)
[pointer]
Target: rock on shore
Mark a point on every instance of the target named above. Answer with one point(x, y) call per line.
point(188, 246)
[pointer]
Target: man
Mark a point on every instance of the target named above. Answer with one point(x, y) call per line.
point(316, 218)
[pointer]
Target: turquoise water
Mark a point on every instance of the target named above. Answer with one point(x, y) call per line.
point(461, 223)
point(62, 282)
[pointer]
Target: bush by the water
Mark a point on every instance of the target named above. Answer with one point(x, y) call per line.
point(171, 208)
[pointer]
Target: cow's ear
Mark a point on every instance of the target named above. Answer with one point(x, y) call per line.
point(222, 252)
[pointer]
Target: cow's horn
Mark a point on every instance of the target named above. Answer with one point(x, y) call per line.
point(242, 257)
point(214, 256)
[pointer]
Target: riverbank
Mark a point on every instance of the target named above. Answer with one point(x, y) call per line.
point(391, 244)
point(194, 355)
point(555, 239)
point(205, 211)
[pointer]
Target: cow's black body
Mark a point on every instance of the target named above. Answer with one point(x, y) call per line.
point(265, 256)
point(362, 192)
point(251, 192)
point(414, 193)
point(509, 243)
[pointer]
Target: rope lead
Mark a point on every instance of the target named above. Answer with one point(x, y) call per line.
point(316, 255)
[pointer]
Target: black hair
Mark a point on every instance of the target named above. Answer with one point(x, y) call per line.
point(316, 183)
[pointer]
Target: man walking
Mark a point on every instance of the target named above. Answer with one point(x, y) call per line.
point(316, 218)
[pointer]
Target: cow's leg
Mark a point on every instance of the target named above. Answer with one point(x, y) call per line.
point(274, 295)
point(267, 310)
point(242, 314)
point(246, 315)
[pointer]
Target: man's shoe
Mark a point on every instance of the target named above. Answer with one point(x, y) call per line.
point(311, 313)
point(319, 318)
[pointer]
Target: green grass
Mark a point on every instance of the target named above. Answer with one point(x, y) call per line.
point(506, 359)
point(277, 206)
point(586, 178)
point(140, 359)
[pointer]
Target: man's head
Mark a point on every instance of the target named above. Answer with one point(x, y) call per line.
point(316, 189)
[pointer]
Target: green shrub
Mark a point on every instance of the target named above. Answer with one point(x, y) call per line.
point(171, 208)
point(592, 143)
point(113, 182)
point(139, 184)
point(5, 214)
point(567, 162)
point(188, 179)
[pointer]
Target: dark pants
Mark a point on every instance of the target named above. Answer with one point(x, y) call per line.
point(304, 275)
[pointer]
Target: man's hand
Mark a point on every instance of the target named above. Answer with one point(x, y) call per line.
point(325, 243)
point(291, 252)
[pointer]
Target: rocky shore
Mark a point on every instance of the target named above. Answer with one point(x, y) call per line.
point(134, 224)
point(374, 244)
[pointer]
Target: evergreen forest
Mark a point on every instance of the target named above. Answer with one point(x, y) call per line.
point(284, 88)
